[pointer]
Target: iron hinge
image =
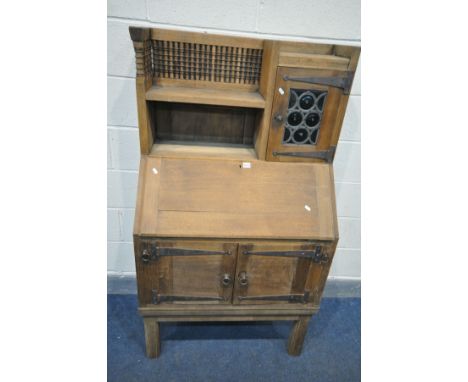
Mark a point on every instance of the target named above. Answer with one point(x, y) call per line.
point(320, 257)
point(156, 252)
point(157, 298)
point(326, 155)
point(342, 82)
point(317, 255)
point(300, 298)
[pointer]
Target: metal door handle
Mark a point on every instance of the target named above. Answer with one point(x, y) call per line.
point(278, 118)
point(145, 257)
point(243, 281)
point(226, 279)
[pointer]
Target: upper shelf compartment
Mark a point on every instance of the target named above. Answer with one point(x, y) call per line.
point(205, 69)
point(224, 97)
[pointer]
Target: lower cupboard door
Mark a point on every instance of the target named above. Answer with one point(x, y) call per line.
point(280, 273)
point(185, 272)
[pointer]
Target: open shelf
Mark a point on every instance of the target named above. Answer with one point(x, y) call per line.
point(203, 151)
point(224, 97)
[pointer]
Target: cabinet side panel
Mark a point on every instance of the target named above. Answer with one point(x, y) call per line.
point(266, 88)
point(144, 74)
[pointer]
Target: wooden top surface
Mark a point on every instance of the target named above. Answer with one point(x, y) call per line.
point(214, 198)
point(223, 97)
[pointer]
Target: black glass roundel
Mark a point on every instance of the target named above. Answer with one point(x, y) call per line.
point(305, 109)
point(306, 101)
point(294, 118)
point(312, 119)
point(300, 135)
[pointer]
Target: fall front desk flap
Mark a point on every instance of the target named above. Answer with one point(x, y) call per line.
point(235, 199)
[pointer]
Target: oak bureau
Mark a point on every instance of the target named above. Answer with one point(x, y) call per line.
point(236, 217)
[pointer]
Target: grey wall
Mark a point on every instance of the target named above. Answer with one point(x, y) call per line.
point(336, 21)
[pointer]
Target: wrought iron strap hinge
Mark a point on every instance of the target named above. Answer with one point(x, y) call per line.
point(342, 82)
point(320, 257)
point(326, 155)
point(301, 298)
point(156, 252)
point(317, 255)
point(157, 298)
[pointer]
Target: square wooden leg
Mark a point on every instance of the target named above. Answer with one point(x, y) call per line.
point(296, 338)
point(153, 341)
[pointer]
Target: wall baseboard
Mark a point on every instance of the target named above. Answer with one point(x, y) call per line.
point(342, 287)
point(125, 283)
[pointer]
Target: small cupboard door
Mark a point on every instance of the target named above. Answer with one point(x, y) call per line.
point(308, 109)
point(185, 272)
point(280, 273)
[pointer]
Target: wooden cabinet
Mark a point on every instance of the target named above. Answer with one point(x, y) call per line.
point(306, 118)
point(225, 228)
point(279, 273)
point(180, 272)
point(213, 272)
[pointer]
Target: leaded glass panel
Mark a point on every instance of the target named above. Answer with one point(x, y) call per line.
point(305, 111)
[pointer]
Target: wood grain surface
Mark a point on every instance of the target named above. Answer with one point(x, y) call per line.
point(222, 199)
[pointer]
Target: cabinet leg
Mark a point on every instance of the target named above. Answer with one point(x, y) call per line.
point(153, 341)
point(297, 335)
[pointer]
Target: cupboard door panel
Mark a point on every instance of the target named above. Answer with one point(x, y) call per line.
point(306, 114)
point(279, 273)
point(185, 272)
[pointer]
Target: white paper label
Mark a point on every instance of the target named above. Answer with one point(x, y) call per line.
point(246, 165)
